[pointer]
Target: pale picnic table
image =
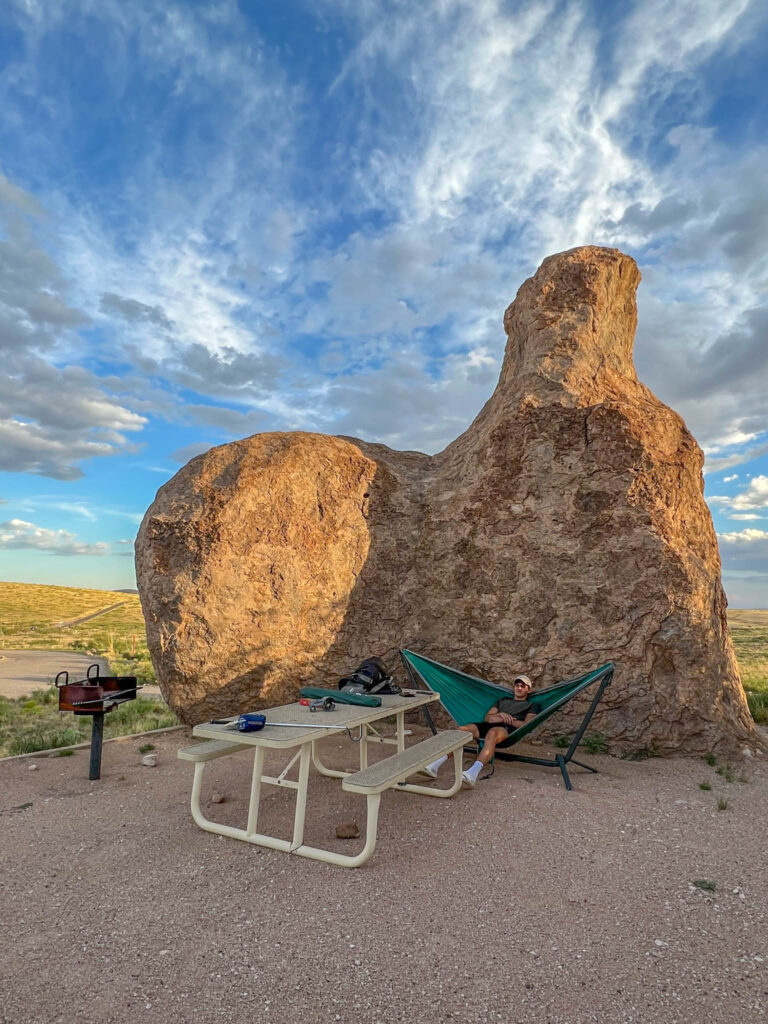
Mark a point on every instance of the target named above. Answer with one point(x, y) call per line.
point(390, 773)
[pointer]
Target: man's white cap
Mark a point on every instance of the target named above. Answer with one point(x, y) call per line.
point(523, 679)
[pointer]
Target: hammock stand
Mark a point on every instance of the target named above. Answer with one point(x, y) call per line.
point(468, 698)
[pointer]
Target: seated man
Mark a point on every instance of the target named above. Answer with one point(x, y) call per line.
point(501, 720)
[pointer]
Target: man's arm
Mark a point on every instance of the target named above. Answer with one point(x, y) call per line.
point(492, 715)
point(516, 722)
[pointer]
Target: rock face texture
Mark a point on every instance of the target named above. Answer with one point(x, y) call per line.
point(567, 527)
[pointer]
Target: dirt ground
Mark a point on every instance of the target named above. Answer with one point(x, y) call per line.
point(517, 901)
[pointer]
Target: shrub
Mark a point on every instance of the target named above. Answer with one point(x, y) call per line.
point(758, 705)
point(595, 743)
point(562, 741)
point(722, 803)
point(705, 786)
point(47, 696)
point(642, 754)
point(32, 740)
point(704, 884)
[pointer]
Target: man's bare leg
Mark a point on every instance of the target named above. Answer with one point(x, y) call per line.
point(492, 737)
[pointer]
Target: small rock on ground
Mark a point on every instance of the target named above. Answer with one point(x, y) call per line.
point(347, 830)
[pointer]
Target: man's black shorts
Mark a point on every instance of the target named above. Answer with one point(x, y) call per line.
point(483, 727)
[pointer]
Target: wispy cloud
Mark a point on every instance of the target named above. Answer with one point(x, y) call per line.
point(19, 534)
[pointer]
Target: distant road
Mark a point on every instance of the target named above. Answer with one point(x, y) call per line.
point(21, 672)
point(93, 615)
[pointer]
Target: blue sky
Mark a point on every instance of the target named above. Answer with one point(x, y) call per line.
point(219, 218)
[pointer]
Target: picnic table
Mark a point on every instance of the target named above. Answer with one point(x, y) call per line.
point(369, 780)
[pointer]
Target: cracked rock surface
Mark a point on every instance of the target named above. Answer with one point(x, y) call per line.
point(565, 528)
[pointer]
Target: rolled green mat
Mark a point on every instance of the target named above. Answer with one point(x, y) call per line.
point(340, 697)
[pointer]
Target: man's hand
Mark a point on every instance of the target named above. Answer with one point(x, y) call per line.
point(500, 718)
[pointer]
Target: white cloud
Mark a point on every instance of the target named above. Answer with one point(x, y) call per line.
point(745, 516)
point(19, 534)
point(745, 552)
point(754, 497)
point(52, 418)
point(748, 536)
point(727, 479)
point(736, 459)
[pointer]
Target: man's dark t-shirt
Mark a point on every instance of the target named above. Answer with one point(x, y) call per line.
point(518, 708)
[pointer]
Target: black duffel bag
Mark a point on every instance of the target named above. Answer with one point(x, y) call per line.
point(369, 677)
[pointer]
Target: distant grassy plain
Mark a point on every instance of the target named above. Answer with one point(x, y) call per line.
point(749, 631)
point(34, 617)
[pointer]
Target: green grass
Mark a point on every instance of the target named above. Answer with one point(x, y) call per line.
point(704, 884)
point(595, 743)
point(722, 803)
point(749, 632)
point(34, 617)
point(705, 786)
point(34, 723)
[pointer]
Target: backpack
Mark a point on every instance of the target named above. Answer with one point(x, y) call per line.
point(369, 677)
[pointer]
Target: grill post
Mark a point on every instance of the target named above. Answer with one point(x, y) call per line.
point(97, 732)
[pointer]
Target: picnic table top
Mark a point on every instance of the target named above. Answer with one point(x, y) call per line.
point(318, 723)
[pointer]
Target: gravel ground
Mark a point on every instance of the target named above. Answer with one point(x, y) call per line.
point(517, 901)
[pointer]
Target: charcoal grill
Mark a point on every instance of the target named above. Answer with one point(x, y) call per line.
point(95, 695)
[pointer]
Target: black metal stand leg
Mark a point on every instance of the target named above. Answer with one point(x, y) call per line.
point(430, 722)
point(561, 762)
point(582, 765)
point(97, 734)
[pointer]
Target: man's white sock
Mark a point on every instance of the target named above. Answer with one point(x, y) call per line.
point(437, 765)
point(475, 770)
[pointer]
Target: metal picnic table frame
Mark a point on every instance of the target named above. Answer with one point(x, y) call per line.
point(281, 737)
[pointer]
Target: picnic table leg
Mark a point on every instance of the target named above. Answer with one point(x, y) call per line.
point(363, 747)
point(345, 860)
point(228, 830)
point(331, 773)
point(401, 732)
point(253, 805)
point(301, 796)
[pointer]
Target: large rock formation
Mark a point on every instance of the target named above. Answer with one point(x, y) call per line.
point(566, 527)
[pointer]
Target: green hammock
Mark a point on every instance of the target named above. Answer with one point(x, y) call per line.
point(468, 698)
